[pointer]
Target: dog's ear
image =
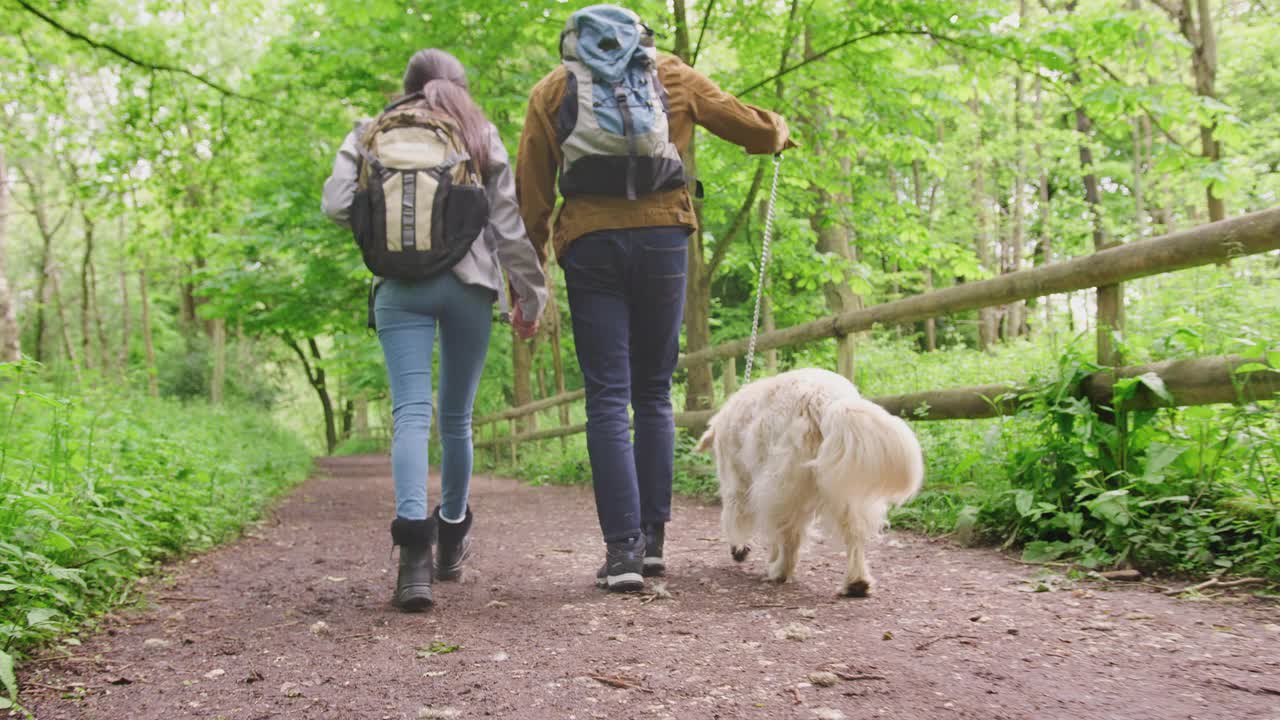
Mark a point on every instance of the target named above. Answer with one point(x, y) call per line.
point(708, 438)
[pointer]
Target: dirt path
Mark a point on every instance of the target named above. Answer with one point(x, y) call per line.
point(951, 632)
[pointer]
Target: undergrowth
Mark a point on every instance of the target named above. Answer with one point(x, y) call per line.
point(98, 485)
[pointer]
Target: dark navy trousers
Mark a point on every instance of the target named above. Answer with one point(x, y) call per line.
point(626, 296)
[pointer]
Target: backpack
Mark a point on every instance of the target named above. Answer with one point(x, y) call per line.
point(420, 202)
point(612, 124)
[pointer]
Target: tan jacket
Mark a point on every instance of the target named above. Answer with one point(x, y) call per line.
point(694, 99)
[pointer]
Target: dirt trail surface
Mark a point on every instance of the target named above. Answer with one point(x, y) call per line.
point(293, 621)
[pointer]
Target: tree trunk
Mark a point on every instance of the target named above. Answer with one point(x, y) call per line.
point(1204, 63)
point(86, 297)
point(217, 383)
point(917, 188)
point(987, 317)
point(522, 380)
point(67, 346)
point(126, 313)
point(1110, 301)
point(1015, 313)
point(360, 425)
point(10, 336)
point(1045, 244)
point(557, 360)
point(47, 231)
point(316, 377)
point(700, 383)
point(153, 384)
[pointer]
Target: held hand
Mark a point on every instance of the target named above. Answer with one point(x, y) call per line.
point(524, 328)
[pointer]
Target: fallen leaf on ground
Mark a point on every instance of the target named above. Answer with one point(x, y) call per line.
point(826, 713)
point(320, 627)
point(215, 673)
point(290, 690)
point(620, 682)
point(437, 647)
point(331, 578)
point(155, 643)
point(809, 613)
point(501, 657)
point(496, 604)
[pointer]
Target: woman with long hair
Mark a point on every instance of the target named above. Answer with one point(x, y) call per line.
point(457, 305)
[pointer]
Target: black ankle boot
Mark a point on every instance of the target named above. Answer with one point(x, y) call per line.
point(654, 536)
point(413, 581)
point(455, 545)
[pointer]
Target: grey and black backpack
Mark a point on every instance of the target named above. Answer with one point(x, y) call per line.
point(420, 201)
point(612, 124)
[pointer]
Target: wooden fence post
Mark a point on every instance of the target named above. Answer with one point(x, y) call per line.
point(511, 440)
point(730, 376)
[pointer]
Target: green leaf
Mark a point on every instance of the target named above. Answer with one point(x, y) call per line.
point(1022, 500)
point(1155, 384)
point(1250, 367)
point(1159, 457)
point(7, 677)
point(1273, 358)
point(40, 616)
point(1041, 551)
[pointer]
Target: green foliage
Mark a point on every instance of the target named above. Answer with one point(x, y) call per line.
point(1187, 490)
point(98, 485)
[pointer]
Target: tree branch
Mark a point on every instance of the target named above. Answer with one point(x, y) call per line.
point(131, 59)
point(297, 349)
point(1151, 115)
point(739, 219)
point(820, 55)
point(697, 48)
point(1174, 9)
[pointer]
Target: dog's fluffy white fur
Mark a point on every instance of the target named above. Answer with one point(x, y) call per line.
point(805, 445)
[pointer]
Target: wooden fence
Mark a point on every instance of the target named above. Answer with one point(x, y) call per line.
point(1191, 382)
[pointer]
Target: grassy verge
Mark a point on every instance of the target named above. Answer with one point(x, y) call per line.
point(98, 485)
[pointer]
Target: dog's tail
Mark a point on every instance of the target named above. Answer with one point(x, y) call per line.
point(867, 454)
point(708, 438)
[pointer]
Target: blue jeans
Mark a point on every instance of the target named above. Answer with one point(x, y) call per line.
point(626, 295)
point(408, 314)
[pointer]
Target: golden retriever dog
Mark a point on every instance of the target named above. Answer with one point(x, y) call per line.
point(805, 445)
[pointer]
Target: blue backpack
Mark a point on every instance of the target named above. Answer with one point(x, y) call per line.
point(612, 125)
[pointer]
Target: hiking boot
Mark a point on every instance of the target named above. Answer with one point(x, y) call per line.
point(454, 545)
point(654, 565)
point(413, 581)
point(623, 569)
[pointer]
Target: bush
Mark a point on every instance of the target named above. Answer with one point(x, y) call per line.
point(97, 486)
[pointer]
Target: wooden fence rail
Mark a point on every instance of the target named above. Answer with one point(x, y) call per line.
point(1192, 382)
point(1201, 381)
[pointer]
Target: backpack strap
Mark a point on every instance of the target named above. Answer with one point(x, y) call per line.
point(628, 129)
point(370, 159)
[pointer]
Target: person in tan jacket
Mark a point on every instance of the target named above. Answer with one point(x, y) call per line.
point(611, 124)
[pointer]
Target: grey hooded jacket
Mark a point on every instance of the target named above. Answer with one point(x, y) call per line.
point(504, 239)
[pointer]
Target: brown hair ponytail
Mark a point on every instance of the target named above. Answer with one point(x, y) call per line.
point(443, 83)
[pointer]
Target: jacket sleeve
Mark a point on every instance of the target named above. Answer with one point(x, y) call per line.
point(340, 188)
point(506, 233)
point(757, 130)
point(536, 163)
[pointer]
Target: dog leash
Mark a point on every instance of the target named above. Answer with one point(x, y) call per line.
point(764, 263)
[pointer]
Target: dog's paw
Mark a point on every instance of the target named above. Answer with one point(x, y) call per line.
point(777, 579)
point(857, 589)
point(740, 553)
